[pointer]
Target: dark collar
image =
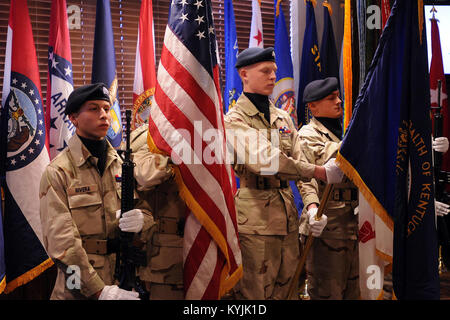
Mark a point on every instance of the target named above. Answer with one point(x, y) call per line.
point(332, 124)
point(98, 148)
point(261, 102)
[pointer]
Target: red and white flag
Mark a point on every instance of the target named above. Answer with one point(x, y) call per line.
point(375, 251)
point(144, 70)
point(186, 122)
point(256, 29)
point(437, 73)
point(59, 80)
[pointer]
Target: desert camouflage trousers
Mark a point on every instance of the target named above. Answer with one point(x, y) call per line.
point(269, 264)
point(163, 274)
point(332, 268)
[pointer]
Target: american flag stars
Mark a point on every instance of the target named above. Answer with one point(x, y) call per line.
point(191, 11)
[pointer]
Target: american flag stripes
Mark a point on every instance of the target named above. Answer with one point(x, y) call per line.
point(186, 111)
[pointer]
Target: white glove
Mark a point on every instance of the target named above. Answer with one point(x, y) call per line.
point(334, 174)
point(131, 221)
point(316, 226)
point(441, 209)
point(115, 293)
point(440, 144)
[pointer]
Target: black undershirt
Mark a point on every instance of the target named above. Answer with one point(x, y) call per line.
point(332, 124)
point(98, 149)
point(261, 102)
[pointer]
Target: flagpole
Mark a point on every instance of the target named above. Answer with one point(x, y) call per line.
point(309, 241)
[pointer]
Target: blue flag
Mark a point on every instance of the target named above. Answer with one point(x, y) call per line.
point(387, 150)
point(284, 93)
point(328, 52)
point(104, 67)
point(311, 68)
point(233, 84)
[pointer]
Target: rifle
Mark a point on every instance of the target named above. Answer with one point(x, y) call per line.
point(309, 241)
point(129, 256)
point(441, 178)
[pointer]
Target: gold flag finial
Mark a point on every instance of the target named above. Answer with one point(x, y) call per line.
point(328, 5)
point(278, 8)
point(314, 2)
point(433, 10)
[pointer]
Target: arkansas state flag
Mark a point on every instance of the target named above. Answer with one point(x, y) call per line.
point(59, 80)
point(23, 152)
point(144, 70)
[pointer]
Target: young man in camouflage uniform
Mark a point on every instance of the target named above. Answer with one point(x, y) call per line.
point(158, 192)
point(79, 202)
point(332, 264)
point(267, 216)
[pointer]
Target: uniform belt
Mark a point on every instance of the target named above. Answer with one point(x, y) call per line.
point(94, 246)
point(263, 183)
point(344, 194)
point(171, 225)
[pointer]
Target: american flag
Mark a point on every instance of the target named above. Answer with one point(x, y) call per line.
point(187, 107)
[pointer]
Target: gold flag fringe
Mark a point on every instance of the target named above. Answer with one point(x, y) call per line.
point(28, 276)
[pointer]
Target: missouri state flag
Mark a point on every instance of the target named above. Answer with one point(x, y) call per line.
point(387, 150)
point(59, 80)
point(23, 153)
point(104, 67)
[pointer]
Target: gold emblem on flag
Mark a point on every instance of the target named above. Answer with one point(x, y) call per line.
point(141, 108)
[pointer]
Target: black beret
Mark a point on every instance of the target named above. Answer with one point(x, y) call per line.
point(253, 55)
point(95, 91)
point(319, 89)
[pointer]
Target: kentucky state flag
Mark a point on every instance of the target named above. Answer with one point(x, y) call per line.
point(23, 153)
point(310, 68)
point(59, 80)
point(104, 67)
point(387, 150)
point(233, 84)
